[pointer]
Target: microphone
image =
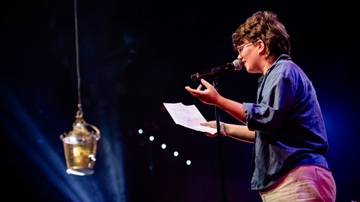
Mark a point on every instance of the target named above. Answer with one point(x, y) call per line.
point(234, 65)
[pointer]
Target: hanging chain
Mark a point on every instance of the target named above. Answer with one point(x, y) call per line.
point(79, 113)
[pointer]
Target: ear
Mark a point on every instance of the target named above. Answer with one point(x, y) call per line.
point(261, 48)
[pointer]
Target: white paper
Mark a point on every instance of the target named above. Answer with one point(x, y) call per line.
point(188, 116)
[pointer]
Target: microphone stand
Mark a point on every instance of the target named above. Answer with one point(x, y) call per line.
point(219, 136)
point(214, 74)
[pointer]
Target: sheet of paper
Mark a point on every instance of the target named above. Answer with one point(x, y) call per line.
point(188, 116)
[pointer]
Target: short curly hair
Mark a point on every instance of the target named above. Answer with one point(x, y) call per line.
point(265, 26)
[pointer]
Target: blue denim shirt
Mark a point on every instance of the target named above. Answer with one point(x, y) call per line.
point(288, 123)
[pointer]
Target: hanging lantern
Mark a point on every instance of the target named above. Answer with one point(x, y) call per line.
point(80, 146)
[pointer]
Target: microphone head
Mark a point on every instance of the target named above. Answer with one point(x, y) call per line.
point(238, 65)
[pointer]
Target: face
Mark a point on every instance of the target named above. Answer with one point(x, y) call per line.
point(247, 53)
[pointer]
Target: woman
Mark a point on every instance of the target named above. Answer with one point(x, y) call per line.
point(285, 124)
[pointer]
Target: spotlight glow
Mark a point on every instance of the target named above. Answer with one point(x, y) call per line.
point(49, 159)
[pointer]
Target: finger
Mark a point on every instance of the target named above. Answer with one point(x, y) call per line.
point(211, 135)
point(205, 83)
point(194, 92)
point(205, 124)
point(190, 90)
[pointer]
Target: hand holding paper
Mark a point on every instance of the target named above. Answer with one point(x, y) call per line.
point(188, 116)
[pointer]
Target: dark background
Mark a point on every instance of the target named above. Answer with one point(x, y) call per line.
point(133, 57)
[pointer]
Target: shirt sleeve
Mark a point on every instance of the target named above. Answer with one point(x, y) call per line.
point(276, 93)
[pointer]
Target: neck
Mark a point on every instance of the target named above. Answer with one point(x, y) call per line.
point(268, 62)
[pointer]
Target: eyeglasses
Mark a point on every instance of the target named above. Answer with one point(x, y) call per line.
point(241, 47)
